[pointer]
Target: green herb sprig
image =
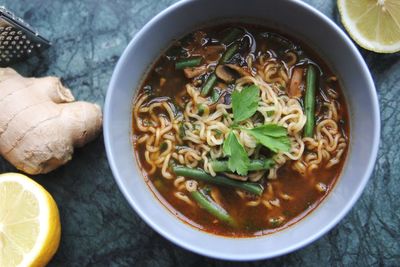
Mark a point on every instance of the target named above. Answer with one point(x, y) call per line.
point(238, 159)
point(245, 103)
point(272, 136)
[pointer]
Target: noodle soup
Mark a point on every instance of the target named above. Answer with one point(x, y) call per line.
point(240, 131)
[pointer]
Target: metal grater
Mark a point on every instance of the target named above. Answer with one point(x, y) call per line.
point(18, 39)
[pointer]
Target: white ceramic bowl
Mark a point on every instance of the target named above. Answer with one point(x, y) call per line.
point(294, 18)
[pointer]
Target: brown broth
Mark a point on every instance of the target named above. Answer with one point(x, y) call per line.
point(252, 221)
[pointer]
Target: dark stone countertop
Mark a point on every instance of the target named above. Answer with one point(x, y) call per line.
point(100, 228)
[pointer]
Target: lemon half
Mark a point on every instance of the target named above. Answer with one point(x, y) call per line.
point(373, 24)
point(29, 222)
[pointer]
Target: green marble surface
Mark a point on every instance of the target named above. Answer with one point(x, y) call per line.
point(100, 228)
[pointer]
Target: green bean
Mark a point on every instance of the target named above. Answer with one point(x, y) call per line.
point(188, 63)
point(232, 35)
point(255, 165)
point(207, 203)
point(229, 53)
point(200, 175)
point(209, 84)
point(310, 101)
point(215, 95)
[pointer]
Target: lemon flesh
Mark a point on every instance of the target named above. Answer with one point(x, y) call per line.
point(29, 222)
point(373, 24)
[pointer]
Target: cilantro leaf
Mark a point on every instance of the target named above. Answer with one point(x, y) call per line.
point(271, 136)
point(272, 129)
point(238, 159)
point(245, 102)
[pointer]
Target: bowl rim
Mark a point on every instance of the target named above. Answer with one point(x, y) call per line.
point(255, 256)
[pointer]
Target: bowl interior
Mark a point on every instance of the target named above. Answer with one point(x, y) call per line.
point(294, 19)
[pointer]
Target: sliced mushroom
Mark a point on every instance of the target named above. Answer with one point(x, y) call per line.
point(242, 72)
point(195, 71)
point(221, 85)
point(295, 83)
point(235, 176)
point(213, 52)
point(230, 72)
point(226, 74)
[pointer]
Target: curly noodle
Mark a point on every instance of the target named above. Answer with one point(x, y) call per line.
point(195, 138)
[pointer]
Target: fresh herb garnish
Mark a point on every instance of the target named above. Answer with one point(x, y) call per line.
point(245, 102)
point(271, 136)
point(238, 158)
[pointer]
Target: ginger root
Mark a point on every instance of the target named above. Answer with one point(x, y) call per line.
point(40, 122)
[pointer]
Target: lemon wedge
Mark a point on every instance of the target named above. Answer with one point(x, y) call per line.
point(29, 222)
point(373, 24)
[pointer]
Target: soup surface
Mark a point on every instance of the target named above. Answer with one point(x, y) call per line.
point(240, 131)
